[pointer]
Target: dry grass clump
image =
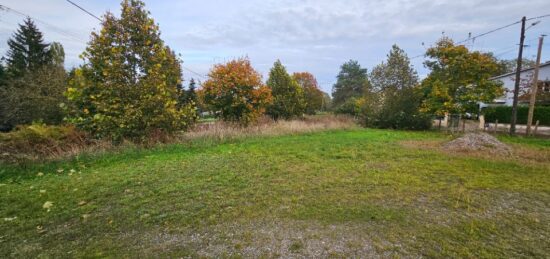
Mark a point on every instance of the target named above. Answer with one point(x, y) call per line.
point(220, 130)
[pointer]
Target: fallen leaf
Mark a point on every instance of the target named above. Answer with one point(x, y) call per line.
point(47, 205)
point(82, 203)
point(10, 219)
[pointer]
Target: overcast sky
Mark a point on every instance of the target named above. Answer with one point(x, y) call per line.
point(306, 35)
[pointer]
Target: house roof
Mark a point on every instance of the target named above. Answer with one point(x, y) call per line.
point(524, 70)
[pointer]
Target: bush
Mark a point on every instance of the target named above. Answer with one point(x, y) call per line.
point(38, 141)
point(352, 106)
point(235, 92)
point(504, 114)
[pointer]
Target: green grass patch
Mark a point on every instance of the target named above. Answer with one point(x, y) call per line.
point(205, 199)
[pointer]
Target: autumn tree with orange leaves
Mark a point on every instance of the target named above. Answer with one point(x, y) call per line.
point(314, 97)
point(235, 92)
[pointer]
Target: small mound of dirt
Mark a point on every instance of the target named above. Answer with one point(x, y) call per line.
point(478, 142)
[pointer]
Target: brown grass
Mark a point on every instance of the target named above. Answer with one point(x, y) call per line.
point(266, 127)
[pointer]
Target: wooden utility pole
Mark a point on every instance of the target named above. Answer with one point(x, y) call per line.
point(534, 88)
point(518, 78)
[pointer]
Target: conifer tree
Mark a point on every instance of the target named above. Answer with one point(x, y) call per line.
point(27, 50)
point(352, 83)
point(127, 87)
point(191, 95)
point(288, 96)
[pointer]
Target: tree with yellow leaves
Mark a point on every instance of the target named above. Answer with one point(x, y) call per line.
point(459, 79)
point(127, 87)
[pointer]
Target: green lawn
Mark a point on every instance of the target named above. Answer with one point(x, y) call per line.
point(358, 193)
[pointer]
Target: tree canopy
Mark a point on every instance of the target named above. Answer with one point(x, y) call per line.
point(459, 79)
point(127, 87)
point(288, 96)
point(392, 101)
point(352, 81)
point(235, 92)
point(27, 50)
point(314, 97)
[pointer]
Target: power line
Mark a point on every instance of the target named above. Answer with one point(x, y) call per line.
point(203, 76)
point(538, 17)
point(86, 11)
point(55, 28)
point(489, 32)
point(492, 31)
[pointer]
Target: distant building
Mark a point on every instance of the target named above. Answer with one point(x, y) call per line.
point(508, 80)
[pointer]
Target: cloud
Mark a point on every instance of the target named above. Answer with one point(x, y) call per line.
point(307, 35)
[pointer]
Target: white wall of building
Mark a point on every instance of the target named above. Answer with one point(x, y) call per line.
point(509, 81)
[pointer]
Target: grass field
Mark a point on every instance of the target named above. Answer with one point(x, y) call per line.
point(353, 193)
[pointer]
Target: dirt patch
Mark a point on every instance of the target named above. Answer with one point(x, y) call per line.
point(478, 142)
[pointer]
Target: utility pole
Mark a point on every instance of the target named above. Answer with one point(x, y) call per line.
point(518, 78)
point(534, 88)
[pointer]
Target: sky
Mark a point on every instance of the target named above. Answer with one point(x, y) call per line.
point(316, 36)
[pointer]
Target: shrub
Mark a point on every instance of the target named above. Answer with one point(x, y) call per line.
point(235, 92)
point(40, 141)
point(504, 114)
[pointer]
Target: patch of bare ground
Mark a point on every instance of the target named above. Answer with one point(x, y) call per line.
point(285, 238)
point(275, 238)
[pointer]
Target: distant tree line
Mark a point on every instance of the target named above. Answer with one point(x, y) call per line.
point(392, 96)
point(130, 84)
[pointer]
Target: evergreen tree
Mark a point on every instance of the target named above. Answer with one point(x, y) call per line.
point(288, 96)
point(27, 50)
point(128, 86)
point(3, 75)
point(191, 95)
point(394, 103)
point(352, 81)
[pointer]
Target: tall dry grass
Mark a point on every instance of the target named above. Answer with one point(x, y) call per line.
point(220, 131)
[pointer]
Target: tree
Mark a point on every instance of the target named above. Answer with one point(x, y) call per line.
point(27, 50)
point(235, 92)
point(57, 54)
point(351, 82)
point(327, 102)
point(288, 96)
point(34, 97)
point(314, 97)
point(191, 94)
point(3, 75)
point(395, 74)
point(127, 87)
point(459, 79)
point(393, 102)
point(32, 84)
